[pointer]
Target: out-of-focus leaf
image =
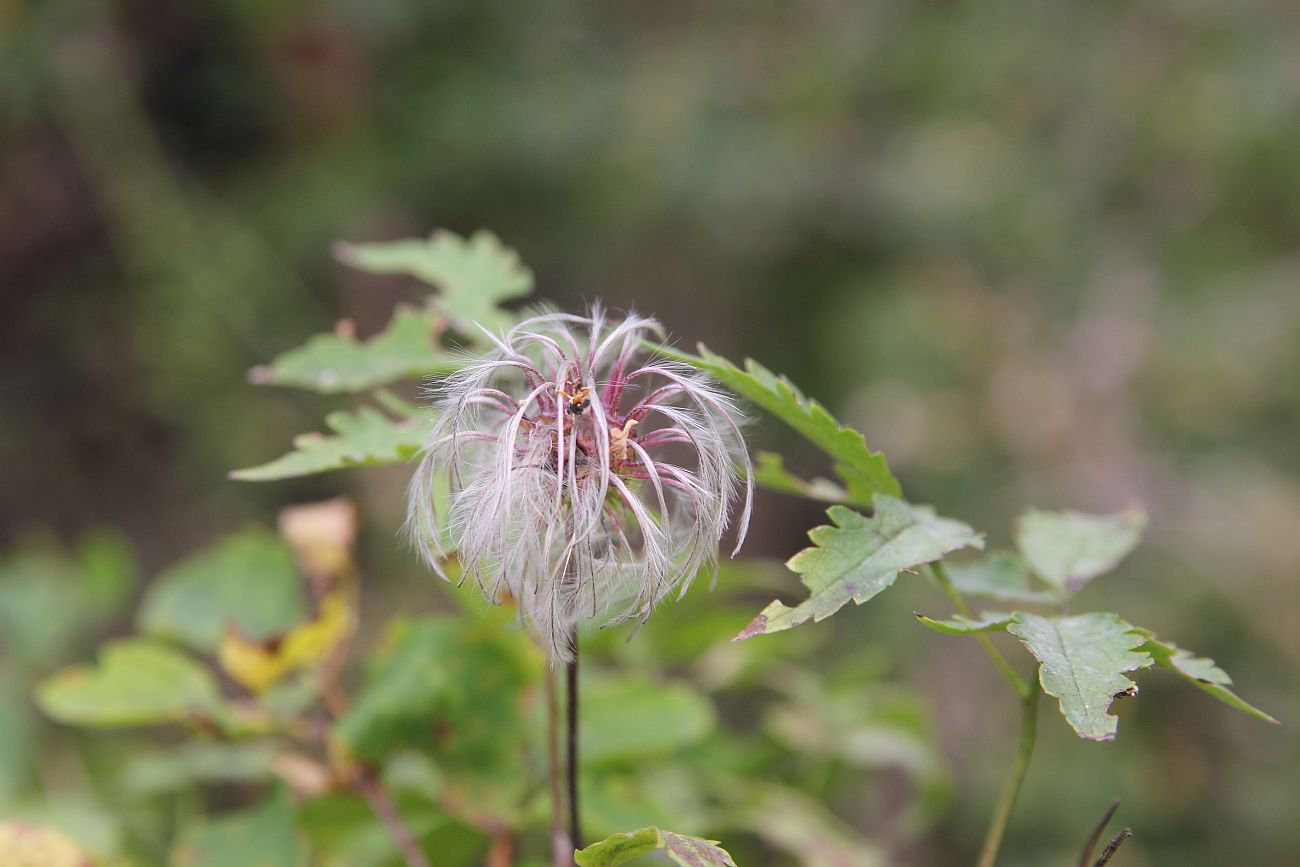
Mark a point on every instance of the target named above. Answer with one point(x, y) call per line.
point(257, 665)
point(180, 767)
point(17, 736)
point(264, 836)
point(681, 848)
point(366, 438)
point(332, 363)
point(1082, 660)
point(1200, 671)
point(770, 472)
point(664, 793)
point(454, 689)
point(1068, 549)
point(864, 472)
point(959, 624)
point(630, 719)
point(865, 726)
point(859, 557)
point(72, 590)
point(247, 581)
point(474, 275)
point(791, 821)
point(137, 682)
point(1000, 575)
point(23, 845)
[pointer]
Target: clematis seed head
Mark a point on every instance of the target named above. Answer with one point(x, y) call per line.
point(589, 477)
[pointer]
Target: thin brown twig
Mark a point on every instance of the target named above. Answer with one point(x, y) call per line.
point(386, 810)
point(1113, 846)
point(502, 851)
point(1091, 844)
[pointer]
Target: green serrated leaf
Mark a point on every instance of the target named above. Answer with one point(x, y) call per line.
point(999, 575)
point(366, 438)
point(770, 472)
point(681, 848)
point(634, 719)
point(959, 624)
point(338, 362)
point(474, 275)
point(1068, 549)
point(859, 557)
point(137, 682)
point(1081, 662)
point(1199, 670)
point(864, 472)
point(247, 580)
point(265, 836)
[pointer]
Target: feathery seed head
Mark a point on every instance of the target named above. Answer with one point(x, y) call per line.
point(589, 478)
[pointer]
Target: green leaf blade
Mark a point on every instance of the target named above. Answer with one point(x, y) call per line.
point(137, 682)
point(1000, 575)
point(865, 472)
point(1082, 660)
point(859, 557)
point(339, 363)
point(633, 720)
point(264, 836)
point(683, 849)
point(770, 473)
point(475, 275)
point(1201, 672)
point(959, 624)
point(366, 438)
point(248, 581)
point(1068, 549)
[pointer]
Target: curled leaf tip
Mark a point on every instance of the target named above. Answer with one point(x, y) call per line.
point(757, 626)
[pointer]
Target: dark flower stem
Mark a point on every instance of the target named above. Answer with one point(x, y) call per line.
point(561, 849)
point(571, 670)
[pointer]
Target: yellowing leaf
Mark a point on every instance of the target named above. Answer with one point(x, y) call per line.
point(23, 845)
point(258, 665)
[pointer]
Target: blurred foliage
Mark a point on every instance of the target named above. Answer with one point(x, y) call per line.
point(1037, 254)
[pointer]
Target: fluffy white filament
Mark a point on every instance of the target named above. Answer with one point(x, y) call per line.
point(588, 477)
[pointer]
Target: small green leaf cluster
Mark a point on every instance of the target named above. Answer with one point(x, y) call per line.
point(473, 277)
point(1082, 658)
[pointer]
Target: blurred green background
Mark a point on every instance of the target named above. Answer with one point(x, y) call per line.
point(1040, 253)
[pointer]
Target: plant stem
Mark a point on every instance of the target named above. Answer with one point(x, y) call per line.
point(990, 649)
point(1006, 803)
point(386, 810)
point(561, 848)
point(575, 825)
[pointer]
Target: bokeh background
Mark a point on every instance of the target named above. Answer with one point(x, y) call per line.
point(1042, 254)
